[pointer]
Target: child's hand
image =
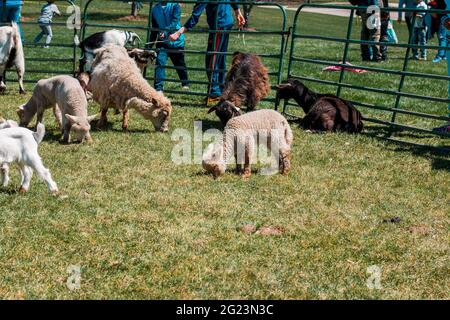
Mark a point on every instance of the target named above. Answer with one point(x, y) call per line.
point(174, 36)
point(240, 18)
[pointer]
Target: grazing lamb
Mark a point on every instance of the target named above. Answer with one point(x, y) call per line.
point(67, 98)
point(21, 145)
point(324, 112)
point(101, 39)
point(247, 82)
point(11, 54)
point(240, 138)
point(116, 82)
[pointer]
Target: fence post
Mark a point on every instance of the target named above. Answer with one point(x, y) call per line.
point(344, 57)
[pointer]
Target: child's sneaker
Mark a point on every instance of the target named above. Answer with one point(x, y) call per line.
point(46, 47)
point(185, 88)
point(437, 59)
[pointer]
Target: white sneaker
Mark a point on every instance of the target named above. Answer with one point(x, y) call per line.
point(185, 88)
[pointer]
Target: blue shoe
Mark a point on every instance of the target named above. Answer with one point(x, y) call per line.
point(437, 59)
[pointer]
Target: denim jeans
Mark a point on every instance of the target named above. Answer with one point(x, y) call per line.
point(442, 37)
point(420, 38)
point(46, 31)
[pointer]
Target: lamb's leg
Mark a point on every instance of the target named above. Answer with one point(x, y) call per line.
point(44, 174)
point(20, 73)
point(103, 119)
point(2, 82)
point(5, 174)
point(58, 116)
point(125, 118)
point(39, 116)
point(249, 146)
point(26, 174)
point(66, 132)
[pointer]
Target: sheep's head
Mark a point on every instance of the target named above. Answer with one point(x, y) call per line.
point(225, 110)
point(81, 127)
point(133, 39)
point(83, 78)
point(290, 88)
point(213, 160)
point(4, 124)
point(162, 108)
point(25, 114)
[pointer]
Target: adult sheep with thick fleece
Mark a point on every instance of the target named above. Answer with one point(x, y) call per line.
point(66, 96)
point(116, 82)
point(240, 137)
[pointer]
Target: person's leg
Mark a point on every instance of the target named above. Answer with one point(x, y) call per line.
point(409, 25)
point(384, 38)
point(365, 52)
point(49, 33)
point(415, 41)
point(178, 61)
point(160, 70)
point(211, 63)
point(374, 35)
point(423, 43)
point(40, 35)
point(222, 61)
point(442, 37)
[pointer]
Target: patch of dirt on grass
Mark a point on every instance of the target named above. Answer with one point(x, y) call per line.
point(132, 18)
point(264, 230)
point(420, 229)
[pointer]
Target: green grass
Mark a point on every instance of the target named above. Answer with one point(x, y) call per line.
point(141, 227)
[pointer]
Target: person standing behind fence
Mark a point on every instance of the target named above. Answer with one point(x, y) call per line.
point(10, 11)
point(369, 31)
point(420, 32)
point(216, 61)
point(441, 31)
point(166, 18)
point(408, 4)
point(45, 22)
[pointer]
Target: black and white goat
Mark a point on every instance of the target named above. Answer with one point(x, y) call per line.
point(324, 112)
point(99, 40)
point(11, 55)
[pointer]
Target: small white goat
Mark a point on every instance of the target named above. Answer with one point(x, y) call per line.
point(11, 54)
point(21, 145)
point(240, 137)
point(67, 97)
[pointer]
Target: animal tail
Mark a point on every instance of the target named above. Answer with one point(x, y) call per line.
point(16, 36)
point(141, 106)
point(39, 134)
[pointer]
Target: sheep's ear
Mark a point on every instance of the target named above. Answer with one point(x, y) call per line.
point(237, 109)
point(72, 119)
point(2, 120)
point(91, 118)
point(212, 109)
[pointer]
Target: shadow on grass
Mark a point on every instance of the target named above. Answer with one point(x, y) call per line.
point(439, 156)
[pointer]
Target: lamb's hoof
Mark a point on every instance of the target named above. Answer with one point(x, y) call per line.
point(23, 190)
point(246, 174)
point(21, 91)
point(55, 193)
point(125, 128)
point(100, 125)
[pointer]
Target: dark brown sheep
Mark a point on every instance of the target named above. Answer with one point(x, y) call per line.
point(247, 82)
point(324, 112)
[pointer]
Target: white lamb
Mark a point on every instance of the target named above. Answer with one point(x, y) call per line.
point(116, 82)
point(21, 145)
point(11, 55)
point(66, 96)
point(240, 137)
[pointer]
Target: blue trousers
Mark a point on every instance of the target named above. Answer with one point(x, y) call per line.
point(442, 37)
point(12, 14)
point(217, 61)
point(177, 59)
point(420, 38)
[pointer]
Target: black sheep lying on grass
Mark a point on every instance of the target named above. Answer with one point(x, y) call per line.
point(324, 112)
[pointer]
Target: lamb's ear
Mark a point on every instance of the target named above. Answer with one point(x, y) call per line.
point(212, 109)
point(91, 118)
point(237, 109)
point(72, 119)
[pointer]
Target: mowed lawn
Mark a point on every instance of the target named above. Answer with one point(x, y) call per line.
point(141, 227)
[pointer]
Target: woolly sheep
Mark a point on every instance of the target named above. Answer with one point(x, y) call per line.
point(116, 82)
point(67, 97)
point(239, 140)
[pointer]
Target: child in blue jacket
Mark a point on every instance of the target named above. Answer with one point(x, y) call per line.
point(214, 61)
point(166, 18)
